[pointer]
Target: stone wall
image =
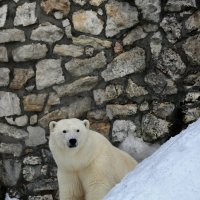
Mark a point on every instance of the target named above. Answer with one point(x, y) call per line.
point(131, 67)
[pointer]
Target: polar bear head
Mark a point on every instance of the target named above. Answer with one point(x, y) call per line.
point(69, 133)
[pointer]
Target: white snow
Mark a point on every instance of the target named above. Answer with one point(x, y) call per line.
point(171, 173)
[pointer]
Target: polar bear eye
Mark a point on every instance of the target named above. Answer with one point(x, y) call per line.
point(64, 131)
point(77, 130)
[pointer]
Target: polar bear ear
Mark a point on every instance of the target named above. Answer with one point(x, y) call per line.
point(86, 123)
point(52, 125)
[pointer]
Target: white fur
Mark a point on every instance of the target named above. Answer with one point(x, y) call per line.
point(89, 170)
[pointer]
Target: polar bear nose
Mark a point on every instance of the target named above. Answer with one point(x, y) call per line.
point(72, 143)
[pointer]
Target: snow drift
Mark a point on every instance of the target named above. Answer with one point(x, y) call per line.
point(171, 173)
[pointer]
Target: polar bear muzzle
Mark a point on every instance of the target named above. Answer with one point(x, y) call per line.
point(72, 143)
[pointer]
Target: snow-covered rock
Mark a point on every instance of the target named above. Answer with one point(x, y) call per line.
point(172, 172)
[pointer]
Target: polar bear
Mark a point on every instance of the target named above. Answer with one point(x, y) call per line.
point(88, 165)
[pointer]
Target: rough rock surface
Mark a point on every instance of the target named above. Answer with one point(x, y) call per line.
point(68, 50)
point(4, 76)
point(80, 67)
point(48, 73)
point(121, 129)
point(81, 85)
point(9, 104)
point(3, 54)
point(12, 35)
point(21, 76)
point(121, 110)
point(34, 102)
point(47, 32)
point(36, 136)
point(91, 41)
point(119, 16)
point(87, 22)
point(3, 15)
point(25, 14)
point(193, 22)
point(150, 9)
point(126, 63)
point(134, 35)
point(29, 52)
point(192, 47)
point(178, 5)
point(171, 64)
point(154, 128)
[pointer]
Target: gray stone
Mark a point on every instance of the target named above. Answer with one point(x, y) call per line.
point(80, 67)
point(137, 148)
point(163, 110)
point(36, 136)
point(121, 129)
point(33, 119)
point(15, 149)
point(144, 106)
point(192, 97)
point(150, 27)
point(32, 160)
point(25, 14)
point(96, 2)
point(68, 29)
point(193, 22)
point(48, 73)
point(97, 43)
point(97, 115)
point(34, 102)
point(120, 110)
point(171, 64)
point(126, 63)
point(58, 15)
point(134, 35)
point(47, 32)
point(11, 131)
point(3, 54)
point(154, 128)
point(156, 44)
point(30, 173)
point(120, 15)
point(54, 115)
point(81, 85)
point(43, 185)
point(172, 28)
point(22, 120)
point(179, 5)
point(89, 51)
point(12, 170)
point(80, 2)
point(160, 84)
point(150, 9)
point(41, 197)
point(21, 76)
point(3, 14)
point(44, 170)
point(4, 76)
point(18, 121)
point(133, 90)
point(109, 93)
point(192, 80)
point(29, 52)
point(12, 35)
point(76, 111)
point(191, 114)
point(9, 104)
point(86, 21)
point(191, 48)
point(68, 50)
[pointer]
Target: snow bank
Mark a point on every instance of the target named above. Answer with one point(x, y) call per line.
point(171, 173)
